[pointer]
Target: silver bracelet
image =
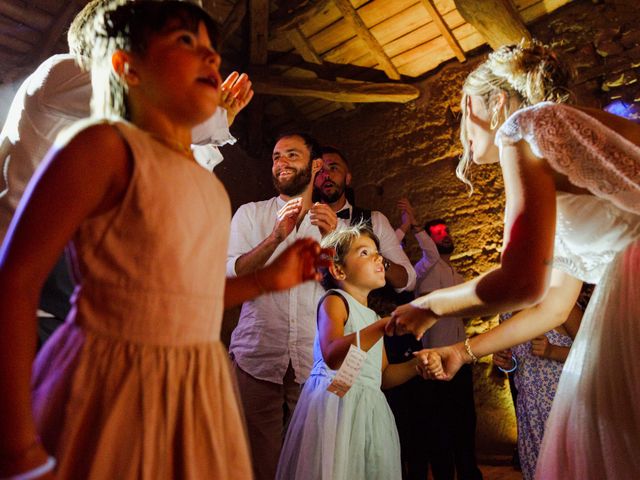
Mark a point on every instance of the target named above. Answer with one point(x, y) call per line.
point(46, 467)
point(515, 365)
point(467, 347)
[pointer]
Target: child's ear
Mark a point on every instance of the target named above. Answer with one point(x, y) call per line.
point(121, 64)
point(336, 271)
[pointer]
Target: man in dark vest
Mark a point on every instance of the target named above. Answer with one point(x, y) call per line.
point(330, 187)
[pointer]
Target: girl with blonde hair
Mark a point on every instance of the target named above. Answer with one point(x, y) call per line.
point(352, 435)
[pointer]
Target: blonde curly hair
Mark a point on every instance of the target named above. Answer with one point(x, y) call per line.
point(529, 72)
point(341, 240)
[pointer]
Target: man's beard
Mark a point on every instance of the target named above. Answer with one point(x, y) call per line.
point(330, 197)
point(294, 185)
point(445, 249)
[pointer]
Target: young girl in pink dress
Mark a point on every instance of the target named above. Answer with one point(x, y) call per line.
point(136, 383)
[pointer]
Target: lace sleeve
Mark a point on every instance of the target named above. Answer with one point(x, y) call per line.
point(587, 152)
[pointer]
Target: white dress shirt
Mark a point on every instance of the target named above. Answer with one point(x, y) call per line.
point(390, 247)
point(51, 98)
point(433, 273)
point(54, 96)
point(277, 327)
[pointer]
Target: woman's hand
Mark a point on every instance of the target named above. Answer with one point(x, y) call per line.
point(297, 264)
point(503, 359)
point(409, 319)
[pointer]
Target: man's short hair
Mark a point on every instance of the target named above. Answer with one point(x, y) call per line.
point(329, 149)
point(433, 223)
point(312, 144)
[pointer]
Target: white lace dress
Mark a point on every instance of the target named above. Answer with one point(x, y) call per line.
point(593, 431)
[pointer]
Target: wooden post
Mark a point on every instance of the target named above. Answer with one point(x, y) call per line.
point(233, 20)
point(258, 38)
point(496, 20)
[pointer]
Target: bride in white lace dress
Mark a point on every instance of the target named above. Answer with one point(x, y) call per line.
point(572, 186)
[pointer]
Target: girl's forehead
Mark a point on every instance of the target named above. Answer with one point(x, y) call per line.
point(181, 23)
point(363, 241)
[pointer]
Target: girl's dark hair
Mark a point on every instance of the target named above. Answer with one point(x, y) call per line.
point(340, 240)
point(129, 27)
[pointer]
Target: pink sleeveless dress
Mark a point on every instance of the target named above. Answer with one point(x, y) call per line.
point(136, 384)
point(593, 431)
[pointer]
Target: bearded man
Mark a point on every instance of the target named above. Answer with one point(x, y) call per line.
point(331, 187)
point(272, 346)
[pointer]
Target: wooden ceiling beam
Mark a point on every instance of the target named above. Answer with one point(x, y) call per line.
point(303, 46)
point(233, 20)
point(299, 16)
point(259, 31)
point(60, 24)
point(496, 20)
point(31, 16)
point(361, 92)
point(15, 44)
point(309, 54)
point(444, 29)
point(362, 31)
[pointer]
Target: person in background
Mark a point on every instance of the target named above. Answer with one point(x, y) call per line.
point(536, 367)
point(330, 185)
point(445, 410)
point(272, 345)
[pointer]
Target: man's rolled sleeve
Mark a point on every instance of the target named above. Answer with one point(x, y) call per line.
point(391, 249)
point(239, 241)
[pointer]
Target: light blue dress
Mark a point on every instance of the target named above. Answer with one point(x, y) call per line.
point(348, 438)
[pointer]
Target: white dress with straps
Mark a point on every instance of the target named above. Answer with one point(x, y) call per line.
point(593, 431)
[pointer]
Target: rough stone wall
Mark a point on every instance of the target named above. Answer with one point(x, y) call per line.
point(411, 150)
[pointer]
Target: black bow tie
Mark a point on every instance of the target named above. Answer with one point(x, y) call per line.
point(344, 214)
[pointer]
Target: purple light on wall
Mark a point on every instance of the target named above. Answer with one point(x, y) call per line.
point(630, 111)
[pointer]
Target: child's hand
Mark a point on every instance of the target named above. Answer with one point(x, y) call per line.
point(236, 93)
point(410, 319)
point(430, 365)
point(297, 264)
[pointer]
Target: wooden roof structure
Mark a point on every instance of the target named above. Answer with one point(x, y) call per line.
point(308, 58)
